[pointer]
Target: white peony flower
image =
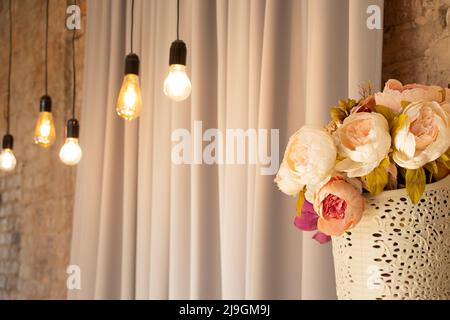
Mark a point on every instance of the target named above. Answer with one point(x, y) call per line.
point(309, 158)
point(424, 136)
point(364, 141)
point(287, 182)
point(446, 107)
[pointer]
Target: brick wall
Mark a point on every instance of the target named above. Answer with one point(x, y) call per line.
point(417, 41)
point(36, 200)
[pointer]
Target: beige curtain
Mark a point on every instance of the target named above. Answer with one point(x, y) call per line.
point(146, 228)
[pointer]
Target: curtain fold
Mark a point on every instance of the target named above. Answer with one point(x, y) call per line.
point(147, 228)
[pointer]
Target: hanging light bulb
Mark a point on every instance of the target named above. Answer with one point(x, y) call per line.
point(177, 85)
point(129, 104)
point(44, 132)
point(7, 159)
point(71, 153)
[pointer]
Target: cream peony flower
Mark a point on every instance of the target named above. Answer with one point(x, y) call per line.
point(424, 136)
point(395, 92)
point(364, 141)
point(309, 158)
point(446, 107)
point(287, 182)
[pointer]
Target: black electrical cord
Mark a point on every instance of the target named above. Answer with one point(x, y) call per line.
point(132, 24)
point(74, 70)
point(46, 46)
point(8, 104)
point(178, 19)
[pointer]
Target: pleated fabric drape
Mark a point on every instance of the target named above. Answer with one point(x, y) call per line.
point(145, 228)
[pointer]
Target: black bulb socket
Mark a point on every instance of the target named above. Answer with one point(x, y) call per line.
point(178, 53)
point(45, 104)
point(132, 64)
point(8, 142)
point(73, 129)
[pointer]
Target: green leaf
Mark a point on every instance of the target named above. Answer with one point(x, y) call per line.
point(444, 94)
point(443, 171)
point(385, 163)
point(444, 159)
point(445, 163)
point(398, 123)
point(415, 184)
point(404, 104)
point(347, 105)
point(351, 104)
point(377, 180)
point(338, 114)
point(342, 103)
point(386, 112)
point(300, 202)
point(432, 167)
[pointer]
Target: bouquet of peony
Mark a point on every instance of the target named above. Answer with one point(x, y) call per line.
point(398, 138)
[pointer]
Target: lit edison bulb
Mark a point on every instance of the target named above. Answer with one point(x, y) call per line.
point(7, 159)
point(177, 85)
point(71, 153)
point(129, 103)
point(44, 133)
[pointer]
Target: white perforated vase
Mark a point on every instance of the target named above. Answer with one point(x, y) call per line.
point(398, 250)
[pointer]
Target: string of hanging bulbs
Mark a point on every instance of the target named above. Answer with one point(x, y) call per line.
point(45, 132)
point(177, 85)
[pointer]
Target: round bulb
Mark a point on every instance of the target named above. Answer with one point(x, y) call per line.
point(71, 153)
point(7, 160)
point(44, 132)
point(129, 103)
point(177, 85)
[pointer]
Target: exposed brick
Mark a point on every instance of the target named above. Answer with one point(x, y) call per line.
point(417, 41)
point(3, 282)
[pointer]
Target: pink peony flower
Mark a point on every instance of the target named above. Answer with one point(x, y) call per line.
point(395, 92)
point(339, 205)
point(334, 207)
